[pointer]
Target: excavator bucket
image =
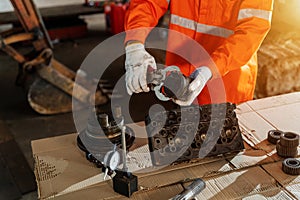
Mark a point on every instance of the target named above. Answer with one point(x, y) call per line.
point(52, 91)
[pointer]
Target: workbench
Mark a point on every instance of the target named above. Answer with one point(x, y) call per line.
point(63, 172)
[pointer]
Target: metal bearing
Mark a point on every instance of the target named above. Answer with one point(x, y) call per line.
point(285, 151)
point(274, 136)
point(289, 139)
point(163, 132)
point(291, 166)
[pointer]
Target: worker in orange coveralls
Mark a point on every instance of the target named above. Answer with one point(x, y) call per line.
point(231, 31)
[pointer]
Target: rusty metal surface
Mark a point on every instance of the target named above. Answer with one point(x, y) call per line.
point(18, 38)
point(42, 62)
point(31, 21)
point(61, 68)
point(48, 99)
point(13, 53)
point(180, 134)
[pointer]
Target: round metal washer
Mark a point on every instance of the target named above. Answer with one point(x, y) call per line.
point(274, 136)
point(289, 139)
point(291, 166)
point(285, 151)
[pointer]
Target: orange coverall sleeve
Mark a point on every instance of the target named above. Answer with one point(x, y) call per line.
point(140, 14)
point(252, 27)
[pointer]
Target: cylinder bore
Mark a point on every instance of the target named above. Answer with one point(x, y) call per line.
point(274, 136)
point(291, 166)
point(205, 117)
point(228, 122)
point(163, 132)
point(234, 129)
point(172, 115)
point(189, 128)
point(154, 123)
point(191, 109)
point(224, 140)
point(174, 130)
point(289, 139)
point(178, 119)
point(158, 141)
point(172, 148)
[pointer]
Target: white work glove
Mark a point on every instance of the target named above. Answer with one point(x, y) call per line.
point(137, 62)
point(201, 75)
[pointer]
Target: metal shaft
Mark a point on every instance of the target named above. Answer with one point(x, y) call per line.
point(191, 191)
point(124, 148)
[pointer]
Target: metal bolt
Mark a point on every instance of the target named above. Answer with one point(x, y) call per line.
point(103, 118)
point(117, 111)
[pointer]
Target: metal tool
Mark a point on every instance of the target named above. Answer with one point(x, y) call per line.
point(191, 191)
point(111, 161)
point(168, 83)
point(124, 182)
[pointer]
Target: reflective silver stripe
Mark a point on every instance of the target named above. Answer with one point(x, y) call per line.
point(168, 1)
point(184, 22)
point(214, 30)
point(250, 12)
point(200, 28)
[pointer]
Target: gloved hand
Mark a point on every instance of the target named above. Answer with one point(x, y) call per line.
point(201, 75)
point(136, 64)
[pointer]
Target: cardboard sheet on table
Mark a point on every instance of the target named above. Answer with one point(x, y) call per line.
point(241, 184)
point(60, 168)
point(250, 157)
point(278, 112)
point(285, 117)
point(60, 164)
point(274, 101)
point(289, 182)
point(255, 129)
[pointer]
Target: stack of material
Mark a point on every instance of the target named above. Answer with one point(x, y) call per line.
point(278, 65)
